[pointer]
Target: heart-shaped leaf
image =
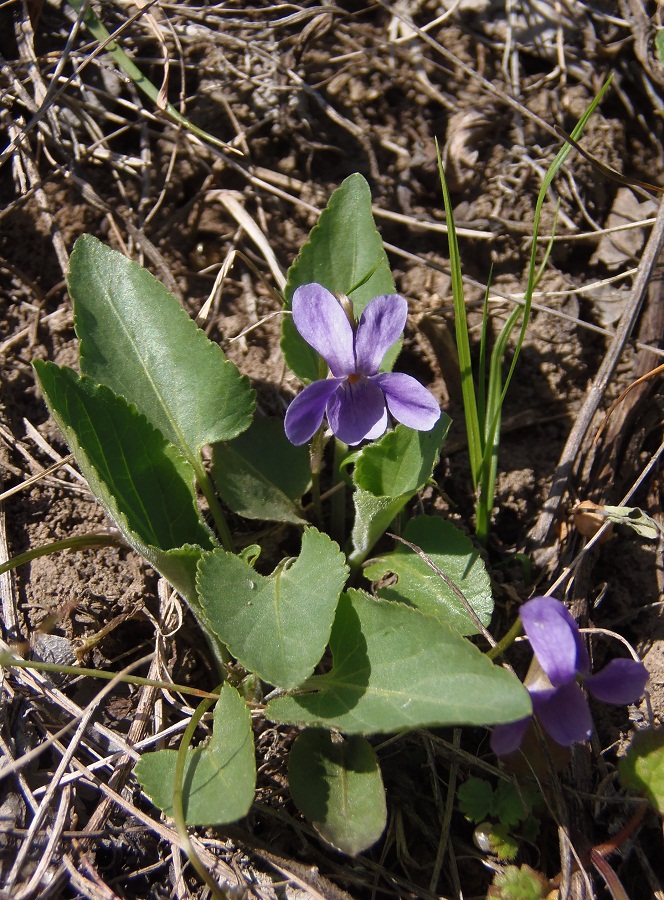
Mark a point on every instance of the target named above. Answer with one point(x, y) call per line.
point(219, 778)
point(139, 341)
point(396, 668)
point(336, 783)
point(344, 251)
point(418, 585)
point(276, 626)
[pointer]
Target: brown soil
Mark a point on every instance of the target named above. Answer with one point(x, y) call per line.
point(310, 95)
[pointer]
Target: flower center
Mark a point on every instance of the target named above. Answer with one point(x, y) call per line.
point(354, 378)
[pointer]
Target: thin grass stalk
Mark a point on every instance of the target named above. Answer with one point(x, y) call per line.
point(462, 336)
point(497, 389)
point(532, 268)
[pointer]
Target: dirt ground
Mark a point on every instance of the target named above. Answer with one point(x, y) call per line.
point(309, 94)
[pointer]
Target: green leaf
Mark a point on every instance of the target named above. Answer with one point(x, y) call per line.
point(659, 44)
point(387, 474)
point(519, 883)
point(141, 480)
point(395, 668)
point(634, 518)
point(503, 843)
point(401, 461)
point(475, 798)
point(219, 778)
point(418, 585)
point(510, 805)
point(642, 768)
point(373, 516)
point(261, 475)
point(344, 247)
point(139, 341)
point(336, 783)
point(129, 465)
point(276, 626)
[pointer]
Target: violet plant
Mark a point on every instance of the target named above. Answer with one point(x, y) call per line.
point(153, 392)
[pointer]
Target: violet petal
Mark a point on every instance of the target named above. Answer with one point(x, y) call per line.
point(408, 401)
point(356, 411)
point(506, 739)
point(564, 714)
point(381, 325)
point(320, 319)
point(305, 413)
point(620, 682)
point(552, 633)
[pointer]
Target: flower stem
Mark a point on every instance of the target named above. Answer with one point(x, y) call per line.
point(316, 461)
point(338, 499)
point(214, 506)
point(507, 640)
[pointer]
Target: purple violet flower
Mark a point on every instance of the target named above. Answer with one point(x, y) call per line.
point(357, 397)
point(559, 703)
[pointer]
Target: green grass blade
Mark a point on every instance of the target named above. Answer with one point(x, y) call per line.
point(532, 269)
point(497, 389)
point(115, 51)
point(462, 338)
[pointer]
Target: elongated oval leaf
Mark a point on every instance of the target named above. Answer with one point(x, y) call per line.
point(336, 783)
point(344, 251)
point(418, 585)
point(401, 461)
point(396, 668)
point(126, 460)
point(139, 341)
point(219, 778)
point(141, 480)
point(276, 626)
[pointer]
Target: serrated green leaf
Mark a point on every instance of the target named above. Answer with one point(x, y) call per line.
point(336, 783)
point(642, 767)
point(509, 804)
point(139, 341)
point(387, 474)
point(141, 480)
point(418, 585)
point(401, 461)
point(635, 518)
point(503, 843)
point(129, 465)
point(276, 626)
point(394, 669)
point(519, 883)
point(219, 778)
point(344, 247)
point(475, 798)
point(261, 475)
